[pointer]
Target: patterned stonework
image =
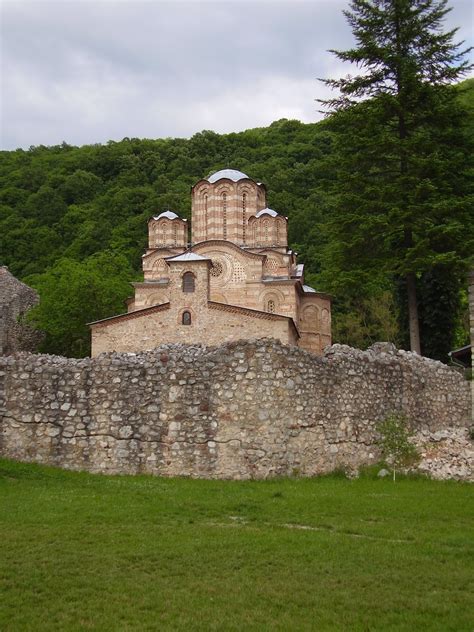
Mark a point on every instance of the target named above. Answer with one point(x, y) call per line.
point(239, 257)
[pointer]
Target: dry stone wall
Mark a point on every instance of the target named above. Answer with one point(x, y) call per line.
point(16, 299)
point(241, 410)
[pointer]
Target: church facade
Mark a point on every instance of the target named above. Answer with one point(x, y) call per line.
point(236, 279)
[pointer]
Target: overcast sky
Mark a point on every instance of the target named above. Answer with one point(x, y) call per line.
point(87, 71)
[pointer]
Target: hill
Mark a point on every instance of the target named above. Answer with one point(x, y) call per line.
point(73, 202)
point(63, 207)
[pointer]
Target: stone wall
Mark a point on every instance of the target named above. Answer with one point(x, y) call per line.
point(16, 299)
point(471, 329)
point(241, 410)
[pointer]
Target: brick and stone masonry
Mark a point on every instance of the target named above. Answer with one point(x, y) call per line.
point(248, 284)
point(245, 409)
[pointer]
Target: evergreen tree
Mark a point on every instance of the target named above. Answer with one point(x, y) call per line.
point(440, 305)
point(402, 154)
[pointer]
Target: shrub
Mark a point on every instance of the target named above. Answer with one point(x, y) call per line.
point(394, 442)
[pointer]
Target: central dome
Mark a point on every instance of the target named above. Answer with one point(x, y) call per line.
point(230, 174)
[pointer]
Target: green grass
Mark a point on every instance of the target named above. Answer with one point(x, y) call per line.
point(85, 552)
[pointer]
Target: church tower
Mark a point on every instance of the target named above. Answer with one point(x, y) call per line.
point(222, 206)
point(237, 279)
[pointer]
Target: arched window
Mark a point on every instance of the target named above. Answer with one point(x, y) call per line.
point(186, 318)
point(266, 230)
point(205, 216)
point(188, 282)
point(244, 216)
point(164, 227)
point(271, 306)
point(280, 231)
point(224, 215)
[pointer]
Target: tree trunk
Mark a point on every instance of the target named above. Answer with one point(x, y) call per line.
point(413, 313)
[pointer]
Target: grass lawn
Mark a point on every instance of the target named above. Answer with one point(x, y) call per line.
point(87, 552)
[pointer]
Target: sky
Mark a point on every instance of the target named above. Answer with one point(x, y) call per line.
point(89, 71)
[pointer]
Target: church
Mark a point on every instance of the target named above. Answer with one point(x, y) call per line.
point(236, 279)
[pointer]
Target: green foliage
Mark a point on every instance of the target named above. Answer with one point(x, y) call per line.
point(403, 186)
point(444, 311)
point(363, 320)
point(74, 293)
point(74, 203)
point(105, 553)
point(95, 197)
point(372, 472)
point(440, 291)
point(395, 443)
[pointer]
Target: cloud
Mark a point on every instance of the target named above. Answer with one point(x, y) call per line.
point(87, 72)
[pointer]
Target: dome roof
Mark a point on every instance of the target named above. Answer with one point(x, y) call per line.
point(168, 214)
point(267, 211)
point(230, 174)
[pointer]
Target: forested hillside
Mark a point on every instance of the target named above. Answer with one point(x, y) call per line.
point(73, 220)
point(75, 201)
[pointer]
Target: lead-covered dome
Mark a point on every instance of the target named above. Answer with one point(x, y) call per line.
point(230, 174)
point(167, 214)
point(222, 205)
point(267, 211)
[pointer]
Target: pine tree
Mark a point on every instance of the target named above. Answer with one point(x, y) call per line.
point(404, 199)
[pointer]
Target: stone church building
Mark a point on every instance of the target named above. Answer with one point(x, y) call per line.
point(237, 279)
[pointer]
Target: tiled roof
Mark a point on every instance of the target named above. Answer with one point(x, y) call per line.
point(131, 315)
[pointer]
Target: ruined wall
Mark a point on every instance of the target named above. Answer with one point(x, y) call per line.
point(241, 410)
point(471, 329)
point(16, 299)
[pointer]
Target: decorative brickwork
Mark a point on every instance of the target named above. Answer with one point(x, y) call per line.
point(251, 268)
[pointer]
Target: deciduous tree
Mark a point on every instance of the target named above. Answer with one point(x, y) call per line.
point(74, 293)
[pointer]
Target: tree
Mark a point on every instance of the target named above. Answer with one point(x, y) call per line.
point(80, 187)
point(394, 442)
point(73, 294)
point(402, 183)
point(440, 293)
point(361, 321)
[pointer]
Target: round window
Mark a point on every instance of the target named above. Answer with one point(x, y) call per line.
point(216, 269)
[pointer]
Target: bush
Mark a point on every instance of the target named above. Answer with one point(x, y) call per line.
point(394, 442)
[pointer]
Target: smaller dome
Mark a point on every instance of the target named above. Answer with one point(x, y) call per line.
point(168, 214)
point(267, 211)
point(230, 174)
